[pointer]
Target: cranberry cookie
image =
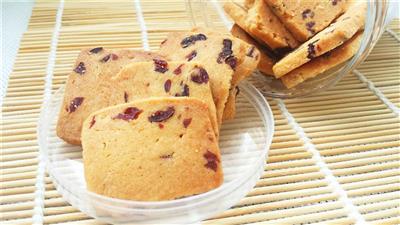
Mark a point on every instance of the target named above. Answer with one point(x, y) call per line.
point(329, 38)
point(305, 18)
point(151, 150)
point(84, 92)
point(323, 62)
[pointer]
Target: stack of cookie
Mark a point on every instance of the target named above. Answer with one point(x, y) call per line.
point(299, 39)
point(149, 122)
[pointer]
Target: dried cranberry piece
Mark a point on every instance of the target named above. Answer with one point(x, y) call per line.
point(212, 160)
point(92, 122)
point(167, 85)
point(178, 70)
point(160, 116)
point(161, 126)
point(114, 56)
point(226, 54)
point(311, 50)
point(307, 13)
point(106, 58)
point(199, 75)
point(185, 91)
point(81, 69)
point(187, 41)
point(168, 156)
point(310, 26)
point(96, 50)
point(125, 96)
point(335, 2)
point(186, 122)
point(160, 65)
point(130, 113)
point(75, 103)
point(191, 55)
point(250, 52)
point(231, 61)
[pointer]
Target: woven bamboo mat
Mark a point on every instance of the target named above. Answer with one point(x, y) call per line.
point(334, 157)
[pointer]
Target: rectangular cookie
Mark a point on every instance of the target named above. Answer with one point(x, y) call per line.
point(329, 38)
point(267, 58)
point(222, 56)
point(161, 78)
point(305, 18)
point(259, 21)
point(84, 92)
point(323, 62)
point(151, 150)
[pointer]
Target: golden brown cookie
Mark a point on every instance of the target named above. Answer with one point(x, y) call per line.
point(161, 78)
point(323, 62)
point(267, 58)
point(262, 24)
point(151, 150)
point(305, 18)
point(329, 38)
point(222, 56)
point(84, 92)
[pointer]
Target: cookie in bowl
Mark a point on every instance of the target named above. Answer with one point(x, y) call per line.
point(151, 150)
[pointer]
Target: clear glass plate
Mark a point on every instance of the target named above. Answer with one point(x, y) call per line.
point(211, 14)
point(244, 144)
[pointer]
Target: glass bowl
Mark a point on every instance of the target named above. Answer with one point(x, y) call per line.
point(211, 14)
point(244, 144)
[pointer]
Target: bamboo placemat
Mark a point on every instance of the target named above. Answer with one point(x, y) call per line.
point(334, 157)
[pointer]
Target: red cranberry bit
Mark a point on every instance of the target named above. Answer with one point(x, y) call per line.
point(199, 75)
point(161, 126)
point(81, 69)
point(178, 70)
point(191, 40)
point(250, 52)
point(160, 65)
point(335, 2)
point(231, 61)
point(307, 13)
point(130, 113)
point(114, 56)
point(105, 58)
point(75, 103)
point(226, 54)
point(186, 122)
point(311, 50)
point(125, 96)
point(161, 116)
point(310, 26)
point(185, 91)
point(212, 160)
point(92, 122)
point(96, 50)
point(168, 156)
point(167, 85)
point(191, 55)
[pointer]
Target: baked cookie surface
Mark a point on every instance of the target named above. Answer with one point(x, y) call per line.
point(84, 89)
point(267, 58)
point(221, 55)
point(141, 80)
point(151, 150)
point(305, 18)
point(323, 62)
point(261, 23)
point(329, 38)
